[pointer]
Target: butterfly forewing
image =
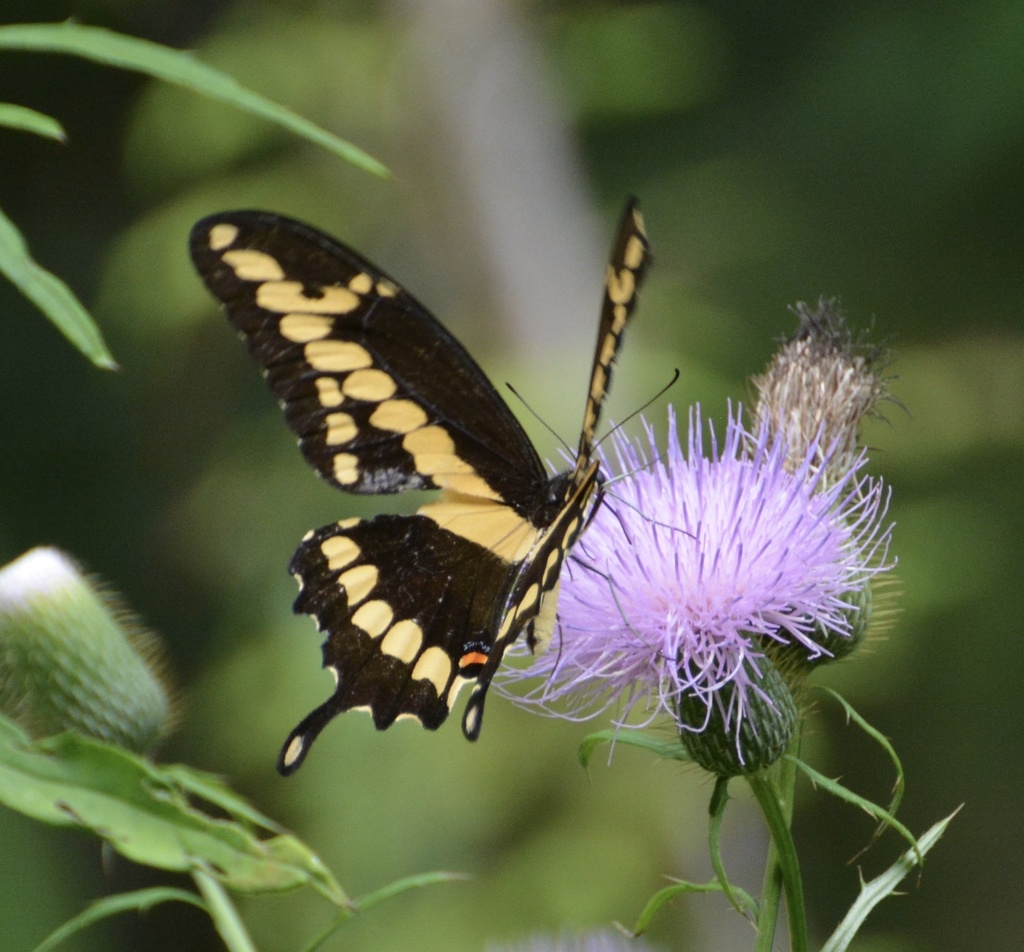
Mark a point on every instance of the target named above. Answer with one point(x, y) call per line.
point(384, 399)
point(381, 396)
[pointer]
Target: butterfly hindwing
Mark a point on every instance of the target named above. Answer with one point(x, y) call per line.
point(403, 635)
point(384, 399)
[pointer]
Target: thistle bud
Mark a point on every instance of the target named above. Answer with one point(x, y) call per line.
point(71, 660)
point(727, 741)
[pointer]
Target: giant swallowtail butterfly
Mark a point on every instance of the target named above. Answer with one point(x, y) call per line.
point(384, 399)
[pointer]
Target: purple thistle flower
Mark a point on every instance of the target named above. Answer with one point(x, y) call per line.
point(698, 570)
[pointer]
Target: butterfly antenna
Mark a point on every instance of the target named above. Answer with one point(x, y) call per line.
point(544, 423)
point(644, 516)
point(640, 409)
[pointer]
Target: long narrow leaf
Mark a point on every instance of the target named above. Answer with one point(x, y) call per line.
point(669, 893)
point(14, 116)
point(399, 886)
point(173, 66)
point(882, 886)
point(138, 901)
point(51, 295)
point(879, 738)
point(378, 896)
point(845, 793)
point(670, 748)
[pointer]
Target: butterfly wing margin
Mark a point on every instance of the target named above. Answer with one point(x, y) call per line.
point(381, 396)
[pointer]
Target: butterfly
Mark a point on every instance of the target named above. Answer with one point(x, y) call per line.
point(383, 399)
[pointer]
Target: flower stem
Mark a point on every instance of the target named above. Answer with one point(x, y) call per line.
point(782, 871)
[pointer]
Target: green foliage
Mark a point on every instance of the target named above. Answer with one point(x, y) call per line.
point(51, 295)
point(144, 812)
point(29, 120)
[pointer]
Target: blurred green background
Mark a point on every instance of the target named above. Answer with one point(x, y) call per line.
point(867, 150)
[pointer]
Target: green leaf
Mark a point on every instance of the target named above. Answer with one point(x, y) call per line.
point(883, 886)
point(378, 896)
point(668, 893)
point(404, 885)
point(28, 120)
point(144, 812)
point(882, 741)
point(671, 748)
point(844, 793)
point(51, 295)
point(138, 901)
point(177, 67)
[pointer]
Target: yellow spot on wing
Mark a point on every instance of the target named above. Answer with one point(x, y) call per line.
point(599, 383)
point(328, 392)
point(457, 685)
point(336, 356)
point(551, 567)
point(346, 468)
point(432, 447)
point(544, 623)
point(621, 285)
point(371, 385)
point(373, 617)
point(358, 582)
point(635, 252)
point(529, 600)
point(295, 748)
point(403, 640)
point(386, 289)
point(434, 455)
point(339, 552)
point(222, 235)
point(490, 524)
point(506, 624)
point(398, 416)
point(285, 296)
point(361, 283)
point(608, 348)
point(303, 328)
point(340, 428)
point(251, 265)
point(433, 666)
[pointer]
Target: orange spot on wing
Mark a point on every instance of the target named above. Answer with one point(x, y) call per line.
point(472, 657)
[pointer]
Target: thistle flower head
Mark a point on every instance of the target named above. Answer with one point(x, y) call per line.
point(698, 566)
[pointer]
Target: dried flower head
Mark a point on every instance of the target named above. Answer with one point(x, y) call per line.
point(819, 387)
